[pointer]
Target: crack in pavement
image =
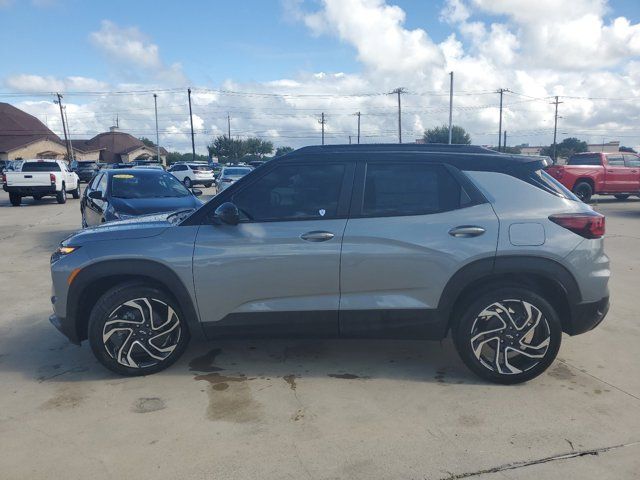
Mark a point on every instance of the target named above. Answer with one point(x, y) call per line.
point(553, 458)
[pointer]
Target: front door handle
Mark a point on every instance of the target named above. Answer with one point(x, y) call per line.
point(466, 231)
point(317, 236)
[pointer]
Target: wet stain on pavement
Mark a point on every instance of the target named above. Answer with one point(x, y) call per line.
point(230, 398)
point(291, 380)
point(345, 376)
point(148, 404)
point(68, 397)
point(204, 363)
point(561, 372)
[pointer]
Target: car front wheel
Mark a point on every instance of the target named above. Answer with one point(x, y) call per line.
point(508, 335)
point(135, 329)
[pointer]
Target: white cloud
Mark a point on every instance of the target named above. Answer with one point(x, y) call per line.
point(128, 47)
point(36, 83)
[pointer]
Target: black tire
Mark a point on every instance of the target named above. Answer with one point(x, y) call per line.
point(76, 192)
point(110, 351)
point(477, 337)
point(623, 196)
point(583, 191)
point(15, 199)
point(61, 196)
point(187, 182)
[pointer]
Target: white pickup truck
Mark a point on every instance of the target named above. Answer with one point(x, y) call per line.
point(41, 178)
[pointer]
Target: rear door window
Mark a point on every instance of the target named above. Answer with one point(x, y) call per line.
point(631, 160)
point(615, 160)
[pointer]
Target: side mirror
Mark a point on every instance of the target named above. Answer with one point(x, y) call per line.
point(196, 191)
point(96, 195)
point(228, 213)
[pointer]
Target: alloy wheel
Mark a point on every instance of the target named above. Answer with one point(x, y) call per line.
point(141, 333)
point(510, 337)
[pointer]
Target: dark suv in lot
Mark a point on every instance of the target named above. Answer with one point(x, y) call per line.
point(397, 241)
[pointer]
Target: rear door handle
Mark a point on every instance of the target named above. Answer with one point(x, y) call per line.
point(28, 176)
point(466, 231)
point(317, 236)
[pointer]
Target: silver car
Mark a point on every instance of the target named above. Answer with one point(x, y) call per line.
point(230, 175)
point(482, 246)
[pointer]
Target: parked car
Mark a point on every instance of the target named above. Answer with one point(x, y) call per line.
point(122, 194)
point(193, 174)
point(586, 174)
point(230, 175)
point(85, 170)
point(41, 178)
point(464, 241)
point(3, 165)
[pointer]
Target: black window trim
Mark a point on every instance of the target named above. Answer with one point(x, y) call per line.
point(357, 200)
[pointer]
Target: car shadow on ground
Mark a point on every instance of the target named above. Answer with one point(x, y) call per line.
point(39, 352)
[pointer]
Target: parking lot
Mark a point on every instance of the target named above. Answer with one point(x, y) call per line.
point(315, 409)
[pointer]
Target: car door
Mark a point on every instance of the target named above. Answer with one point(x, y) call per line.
point(278, 269)
point(94, 207)
point(618, 177)
point(412, 226)
point(632, 162)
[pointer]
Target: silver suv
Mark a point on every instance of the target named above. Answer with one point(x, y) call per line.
point(394, 241)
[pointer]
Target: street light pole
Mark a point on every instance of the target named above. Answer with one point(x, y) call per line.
point(155, 102)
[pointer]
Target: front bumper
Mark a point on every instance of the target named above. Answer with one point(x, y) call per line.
point(587, 316)
point(65, 328)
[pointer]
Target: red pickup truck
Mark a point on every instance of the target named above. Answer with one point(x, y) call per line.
point(586, 174)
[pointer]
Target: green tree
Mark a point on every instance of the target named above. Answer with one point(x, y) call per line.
point(565, 148)
point(147, 142)
point(441, 135)
point(283, 151)
point(626, 149)
point(515, 150)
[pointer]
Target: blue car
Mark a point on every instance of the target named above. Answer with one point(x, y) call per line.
point(125, 193)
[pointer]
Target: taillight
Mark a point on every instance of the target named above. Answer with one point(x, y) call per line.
point(587, 225)
point(52, 177)
point(4, 178)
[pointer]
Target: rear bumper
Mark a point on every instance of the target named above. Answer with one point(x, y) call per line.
point(65, 327)
point(587, 316)
point(33, 190)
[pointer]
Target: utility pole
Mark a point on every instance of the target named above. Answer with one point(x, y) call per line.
point(555, 128)
point(450, 107)
point(358, 115)
point(155, 102)
point(66, 118)
point(349, 139)
point(399, 91)
point(322, 121)
point(501, 92)
point(504, 142)
point(228, 126)
point(64, 126)
point(193, 141)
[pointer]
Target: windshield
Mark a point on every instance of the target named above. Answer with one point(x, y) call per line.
point(132, 185)
point(235, 171)
point(40, 167)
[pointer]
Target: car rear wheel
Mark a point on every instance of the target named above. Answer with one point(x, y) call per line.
point(508, 335)
point(187, 182)
point(61, 196)
point(622, 196)
point(15, 199)
point(76, 192)
point(135, 329)
point(583, 191)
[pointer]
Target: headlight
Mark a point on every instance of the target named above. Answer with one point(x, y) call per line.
point(61, 252)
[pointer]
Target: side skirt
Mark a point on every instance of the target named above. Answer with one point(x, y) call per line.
point(397, 324)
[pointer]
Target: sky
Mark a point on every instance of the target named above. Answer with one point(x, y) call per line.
point(274, 66)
